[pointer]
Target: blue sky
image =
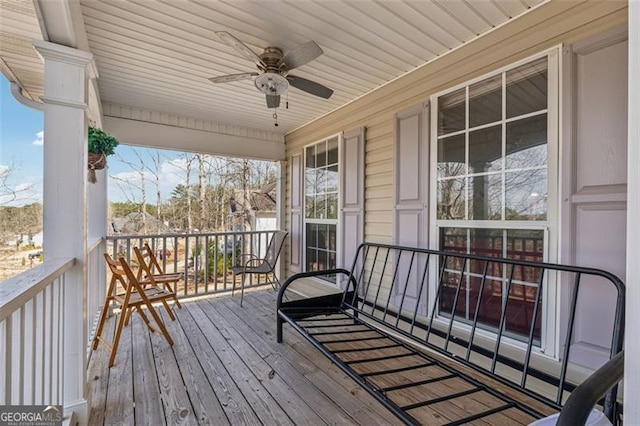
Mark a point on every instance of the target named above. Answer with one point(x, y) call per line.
point(20, 147)
point(21, 140)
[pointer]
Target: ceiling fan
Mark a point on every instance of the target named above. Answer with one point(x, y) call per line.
point(273, 65)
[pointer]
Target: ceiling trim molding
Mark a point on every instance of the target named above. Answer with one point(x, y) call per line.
point(131, 131)
point(138, 114)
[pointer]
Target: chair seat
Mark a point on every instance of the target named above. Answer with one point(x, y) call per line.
point(153, 294)
point(162, 278)
point(263, 268)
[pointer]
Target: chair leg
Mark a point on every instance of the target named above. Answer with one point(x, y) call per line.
point(242, 288)
point(103, 318)
point(233, 287)
point(144, 318)
point(169, 311)
point(116, 338)
point(157, 318)
point(175, 296)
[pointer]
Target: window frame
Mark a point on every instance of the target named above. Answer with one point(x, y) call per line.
point(336, 221)
point(550, 227)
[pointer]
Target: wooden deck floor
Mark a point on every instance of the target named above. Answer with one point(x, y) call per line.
point(225, 367)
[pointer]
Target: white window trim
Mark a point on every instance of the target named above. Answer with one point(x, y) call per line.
point(305, 220)
point(550, 345)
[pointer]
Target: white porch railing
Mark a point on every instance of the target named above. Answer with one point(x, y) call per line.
point(205, 259)
point(32, 335)
point(96, 288)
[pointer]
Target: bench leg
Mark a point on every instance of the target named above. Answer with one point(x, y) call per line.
point(279, 323)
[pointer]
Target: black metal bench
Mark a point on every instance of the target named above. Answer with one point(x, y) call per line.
point(472, 354)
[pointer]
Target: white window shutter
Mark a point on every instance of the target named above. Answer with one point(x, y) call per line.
point(352, 195)
point(297, 212)
point(410, 189)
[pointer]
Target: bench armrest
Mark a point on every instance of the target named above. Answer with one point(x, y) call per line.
point(297, 276)
point(582, 400)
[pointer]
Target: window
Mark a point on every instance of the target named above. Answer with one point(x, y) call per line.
point(494, 143)
point(321, 204)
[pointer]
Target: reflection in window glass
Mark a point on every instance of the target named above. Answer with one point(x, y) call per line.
point(451, 199)
point(485, 150)
point(526, 195)
point(492, 159)
point(332, 152)
point(451, 156)
point(527, 142)
point(527, 88)
point(485, 197)
point(511, 243)
point(321, 205)
point(451, 112)
point(485, 101)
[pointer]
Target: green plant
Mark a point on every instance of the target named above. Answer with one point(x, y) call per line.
point(100, 142)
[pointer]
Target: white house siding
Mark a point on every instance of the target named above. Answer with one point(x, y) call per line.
point(558, 22)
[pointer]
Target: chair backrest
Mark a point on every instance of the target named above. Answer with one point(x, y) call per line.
point(148, 262)
point(121, 272)
point(275, 247)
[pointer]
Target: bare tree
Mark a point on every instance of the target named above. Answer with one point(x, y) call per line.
point(9, 192)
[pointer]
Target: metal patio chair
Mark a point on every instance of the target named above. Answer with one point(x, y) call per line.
point(256, 265)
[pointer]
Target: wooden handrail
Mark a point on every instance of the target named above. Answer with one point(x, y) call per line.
point(18, 290)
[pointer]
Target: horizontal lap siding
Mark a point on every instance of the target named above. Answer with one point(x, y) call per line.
point(551, 24)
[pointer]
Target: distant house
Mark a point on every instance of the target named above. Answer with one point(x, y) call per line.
point(137, 223)
point(254, 213)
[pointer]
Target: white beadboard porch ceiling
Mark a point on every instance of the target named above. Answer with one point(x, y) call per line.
point(157, 55)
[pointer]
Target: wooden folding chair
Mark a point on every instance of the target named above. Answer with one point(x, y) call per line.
point(133, 296)
point(150, 272)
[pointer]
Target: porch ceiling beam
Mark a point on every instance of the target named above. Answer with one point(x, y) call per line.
point(133, 131)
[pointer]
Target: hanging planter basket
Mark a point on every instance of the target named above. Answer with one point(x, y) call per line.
point(100, 146)
point(96, 162)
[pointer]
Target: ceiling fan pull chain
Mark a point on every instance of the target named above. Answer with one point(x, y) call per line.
point(287, 101)
point(275, 117)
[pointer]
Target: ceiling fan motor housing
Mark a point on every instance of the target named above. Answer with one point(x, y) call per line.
point(271, 83)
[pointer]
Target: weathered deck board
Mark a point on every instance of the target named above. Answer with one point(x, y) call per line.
point(224, 368)
point(262, 340)
point(294, 405)
point(145, 393)
point(321, 372)
point(119, 407)
point(176, 403)
point(206, 407)
point(98, 377)
point(240, 392)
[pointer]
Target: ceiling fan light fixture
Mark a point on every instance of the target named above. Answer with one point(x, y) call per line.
point(271, 83)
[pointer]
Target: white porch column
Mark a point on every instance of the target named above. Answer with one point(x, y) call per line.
point(632, 338)
point(65, 205)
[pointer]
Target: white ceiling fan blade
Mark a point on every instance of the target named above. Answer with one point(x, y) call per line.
point(302, 54)
point(240, 47)
point(233, 77)
point(273, 101)
point(309, 86)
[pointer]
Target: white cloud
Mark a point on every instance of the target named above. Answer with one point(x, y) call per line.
point(39, 141)
point(23, 186)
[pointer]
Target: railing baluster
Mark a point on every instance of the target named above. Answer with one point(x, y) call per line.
point(21, 336)
point(8, 338)
point(32, 352)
